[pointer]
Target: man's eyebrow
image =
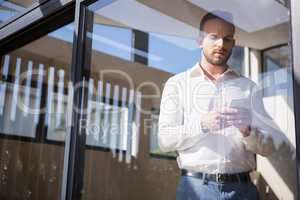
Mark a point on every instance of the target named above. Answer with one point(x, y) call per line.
point(227, 36)
point(213, 33)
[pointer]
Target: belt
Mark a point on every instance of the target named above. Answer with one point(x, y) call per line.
point(221, 178)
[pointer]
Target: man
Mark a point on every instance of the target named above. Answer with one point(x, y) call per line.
point(214, 118)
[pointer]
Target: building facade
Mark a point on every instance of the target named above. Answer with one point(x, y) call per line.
point(81, 85)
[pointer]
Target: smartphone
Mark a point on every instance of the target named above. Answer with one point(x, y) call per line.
point(239, 103)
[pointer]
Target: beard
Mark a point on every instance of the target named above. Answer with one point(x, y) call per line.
point(220, 61)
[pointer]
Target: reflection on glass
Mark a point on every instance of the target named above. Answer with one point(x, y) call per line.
point(237, 60)
point(106, 114)
point(277, 58)
point(97, 131)
point(277, 85)
point(115, 125)
point(154, 148)
point(30, 164)
point(4, 74)
point(187, 53)
point(98, 100)
point(136, 124)
point(5, 66)
point(60, 95)
point(112, 123)
point(9, 8)
point(27, 88)
point(50, 95)
point(270, 13)
point(58, 121)
point(39, 92)
point(15, 90)
point(277, 71)
point(13, 121)
point(112, 40)
point(90, 98)
point(169, 44)
point(123, 130)
point(166, 46)
point(130, 126)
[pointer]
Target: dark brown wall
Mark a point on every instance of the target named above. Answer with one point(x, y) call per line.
point(30, 170)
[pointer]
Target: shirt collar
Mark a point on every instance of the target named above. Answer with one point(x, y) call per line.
point(197, 71)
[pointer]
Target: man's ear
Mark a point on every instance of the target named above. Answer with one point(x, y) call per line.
point(200, 40)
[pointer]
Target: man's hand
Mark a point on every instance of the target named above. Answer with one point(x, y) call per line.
point(245, 131)
point(214, 121)
point(238, 117)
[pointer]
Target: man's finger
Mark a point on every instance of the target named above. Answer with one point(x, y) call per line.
point(235, 117)
point(229, 111)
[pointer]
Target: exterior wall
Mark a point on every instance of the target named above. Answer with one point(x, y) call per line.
point(30, 170)
point(278, 170)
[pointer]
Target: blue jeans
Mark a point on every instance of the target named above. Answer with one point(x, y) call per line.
point(191, 188)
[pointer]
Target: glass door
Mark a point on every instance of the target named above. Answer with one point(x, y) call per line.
point(131, 49)
point(36, 95)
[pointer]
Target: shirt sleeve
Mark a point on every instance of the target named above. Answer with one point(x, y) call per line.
point(264, 130)
point(175, 133)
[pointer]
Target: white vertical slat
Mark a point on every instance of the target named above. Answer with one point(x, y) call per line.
point(136, 128)
point(67, 138)
point(49, 95)
point(15, 91)
point(98, 108)
point(90, 102)
point(113, 139)
point(3, 84)
point(129, 126)
point(60, 96)
point(5, 66)
point(38, 94)
point(247, 61)
point(106, 123)
point(69, 104)
point(27, 88)
point(123, 125)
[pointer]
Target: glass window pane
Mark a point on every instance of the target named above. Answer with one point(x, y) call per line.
point(277, 58)
point(237, 59)
point(112, 40)
point(35, 116)
point(277, 84)
point(200, 70)
point(10, 8)
point(162, 49)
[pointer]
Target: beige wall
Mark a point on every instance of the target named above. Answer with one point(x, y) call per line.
point(279, 169)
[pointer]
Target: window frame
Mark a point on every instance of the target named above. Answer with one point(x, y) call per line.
point(29, 26)
point(294, 8)
point(22, 13)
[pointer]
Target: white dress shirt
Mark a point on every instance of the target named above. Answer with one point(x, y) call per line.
point(187, 97)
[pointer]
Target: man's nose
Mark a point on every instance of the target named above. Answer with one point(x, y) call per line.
point(220, 42)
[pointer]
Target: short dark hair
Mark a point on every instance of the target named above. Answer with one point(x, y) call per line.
point(209, 16)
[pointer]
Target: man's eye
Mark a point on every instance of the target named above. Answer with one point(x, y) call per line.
point(212, 37)
point(228, 39)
